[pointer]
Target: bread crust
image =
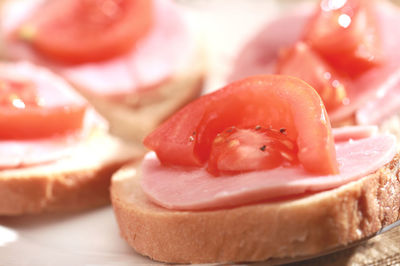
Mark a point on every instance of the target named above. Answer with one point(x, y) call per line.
point(284, 229)
point(69, 184)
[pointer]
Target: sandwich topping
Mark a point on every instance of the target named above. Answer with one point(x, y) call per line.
point(347, 50)
point(24, 114)
point(260, 138)
point(39, 115)
point(99, 57)
point(346, 34)
point(202, 132)
point(341, 41)
point(238, 150)
point(90, 30)
point(302, 62)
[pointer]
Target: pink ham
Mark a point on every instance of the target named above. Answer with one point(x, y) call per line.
point(387, 105)
point(366, 92)
point(353, 132)
point(16, 154)
point(53, 92)
point(260, 54)
point(24, 153)
point(197, 189)
point(154, 59)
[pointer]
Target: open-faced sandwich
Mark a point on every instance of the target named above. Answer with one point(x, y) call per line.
point(346, 49)
point(55, 150)
point(134, 60)
point(254, 171)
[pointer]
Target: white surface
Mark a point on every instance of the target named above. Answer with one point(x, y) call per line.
point(89, 238)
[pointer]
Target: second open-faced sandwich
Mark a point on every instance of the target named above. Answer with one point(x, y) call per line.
point(346, 49)
point(254, 171)
point(136, 61)
point(55, 151)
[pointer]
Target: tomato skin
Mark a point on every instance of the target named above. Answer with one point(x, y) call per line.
point(22, 115)
point(302, 62)
point(175, 139)
point(80, 31)
point(267, 101)
point(346, 36)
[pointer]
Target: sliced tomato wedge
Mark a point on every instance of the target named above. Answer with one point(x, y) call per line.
point(79, 31)
point(241, 150)
point(302, 62)
point(269, 101)
point(346, 33)
point(24, 115)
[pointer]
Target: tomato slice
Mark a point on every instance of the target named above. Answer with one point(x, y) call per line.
point(346, 33)
point(24, 115)
point(269, 101)
point(241, 150)
point(300, 61)
point(79, 31)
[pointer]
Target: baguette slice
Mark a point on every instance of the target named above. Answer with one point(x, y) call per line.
point(140, 113)
point(72, 183)
point(291, 228)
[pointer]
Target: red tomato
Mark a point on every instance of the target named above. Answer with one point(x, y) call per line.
point(242, 150)
point(78, 31)
point(269, 101)
point(22, 115)
point(301, 62)
point(346, 33)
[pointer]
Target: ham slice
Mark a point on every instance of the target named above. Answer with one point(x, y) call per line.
point(197, 190)
point(17, 154)
point(387, 104)
point(155, 58)
point(365, 93)
point(353, 132)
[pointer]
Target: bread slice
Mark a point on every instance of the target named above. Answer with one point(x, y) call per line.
point(140, 113)
point(290, 228)
point(76, 182)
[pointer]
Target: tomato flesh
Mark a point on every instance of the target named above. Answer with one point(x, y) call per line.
point(302, 62)
point(241, 150)
point(346, 34)
point(23, 115)
point(269, 101)
point(79, 31)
